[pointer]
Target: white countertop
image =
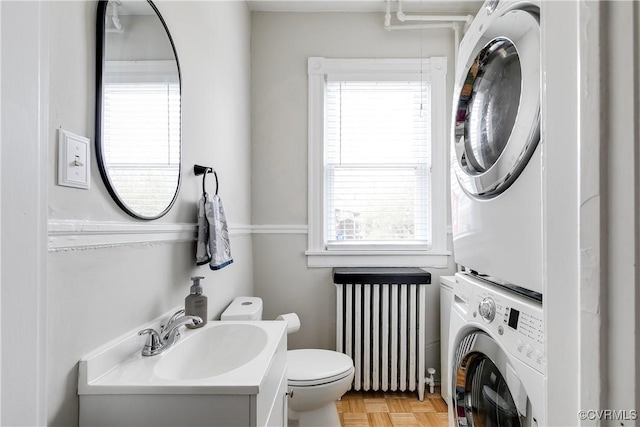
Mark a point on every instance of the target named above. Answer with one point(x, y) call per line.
point(119, 368)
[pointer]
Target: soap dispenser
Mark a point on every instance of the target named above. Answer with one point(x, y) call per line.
point(195, 304)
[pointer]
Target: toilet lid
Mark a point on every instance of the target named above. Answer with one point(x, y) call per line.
point(312, 367)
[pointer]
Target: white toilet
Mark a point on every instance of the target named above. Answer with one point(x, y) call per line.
point(316, 378)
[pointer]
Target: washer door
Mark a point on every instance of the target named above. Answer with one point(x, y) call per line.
point(497, 119)
point(487, 392)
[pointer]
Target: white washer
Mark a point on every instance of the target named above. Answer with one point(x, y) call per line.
point(497, 363)
point(496, 175)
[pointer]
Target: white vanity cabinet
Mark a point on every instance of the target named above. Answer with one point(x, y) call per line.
point(130, 393)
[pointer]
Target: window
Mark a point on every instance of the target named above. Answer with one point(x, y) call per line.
point(377, 162)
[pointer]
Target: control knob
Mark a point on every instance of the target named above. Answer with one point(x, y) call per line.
point(487, 309)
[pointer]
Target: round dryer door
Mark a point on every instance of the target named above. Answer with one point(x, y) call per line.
point(485, 392)
point(497, 118)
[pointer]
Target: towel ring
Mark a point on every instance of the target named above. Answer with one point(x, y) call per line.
point(203, 170)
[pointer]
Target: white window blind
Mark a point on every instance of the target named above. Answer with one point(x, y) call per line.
point(142, 147)
point(377, 159)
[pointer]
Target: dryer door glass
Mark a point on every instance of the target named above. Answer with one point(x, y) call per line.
point(493, 106)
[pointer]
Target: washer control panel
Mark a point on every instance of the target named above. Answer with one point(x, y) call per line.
point(514, 319)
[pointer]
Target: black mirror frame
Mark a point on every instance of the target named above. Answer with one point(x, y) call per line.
point(100, 63)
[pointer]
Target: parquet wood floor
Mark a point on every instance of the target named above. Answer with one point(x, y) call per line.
point(391, 409)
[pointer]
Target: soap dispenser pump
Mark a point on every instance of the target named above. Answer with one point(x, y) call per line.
point(195, 304)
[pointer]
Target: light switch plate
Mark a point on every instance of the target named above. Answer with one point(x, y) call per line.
point(74, 164)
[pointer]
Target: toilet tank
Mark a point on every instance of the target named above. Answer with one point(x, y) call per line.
point(243, 308)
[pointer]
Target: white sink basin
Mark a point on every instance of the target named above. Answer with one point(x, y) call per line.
point(211, 352)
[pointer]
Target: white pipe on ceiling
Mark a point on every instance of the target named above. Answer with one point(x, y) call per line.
point(428, 22)
point(402, 17)
point(430, 26)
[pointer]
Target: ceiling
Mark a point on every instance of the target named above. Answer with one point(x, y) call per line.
point(423, 6)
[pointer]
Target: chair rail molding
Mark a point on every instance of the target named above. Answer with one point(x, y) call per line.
point(67, 235)
point(280, 229)
point(74, 234)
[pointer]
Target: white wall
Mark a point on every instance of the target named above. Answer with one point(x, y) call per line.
point(281, 44)
point(23, 226)
point(97, 294)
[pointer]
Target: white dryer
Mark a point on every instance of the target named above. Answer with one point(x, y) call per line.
point(497, 363)
point(496, 175)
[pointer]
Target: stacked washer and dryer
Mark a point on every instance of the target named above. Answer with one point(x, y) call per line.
point(496, 341)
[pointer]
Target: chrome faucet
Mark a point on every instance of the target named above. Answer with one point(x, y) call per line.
point(167, 324)
point(169, 333)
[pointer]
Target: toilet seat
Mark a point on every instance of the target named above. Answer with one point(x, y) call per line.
point(311, 367)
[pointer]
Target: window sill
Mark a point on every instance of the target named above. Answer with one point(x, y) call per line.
point(351, 258)
point(362, 247)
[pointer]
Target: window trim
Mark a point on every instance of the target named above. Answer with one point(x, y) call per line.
point(319, 70)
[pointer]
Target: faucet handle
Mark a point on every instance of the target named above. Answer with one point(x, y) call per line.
point(170, 320)
point(153, 344)
point(172, 333)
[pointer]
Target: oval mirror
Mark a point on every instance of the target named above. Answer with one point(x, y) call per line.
point(138, 119)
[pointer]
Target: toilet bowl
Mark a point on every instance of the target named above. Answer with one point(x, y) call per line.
point(315, 378)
